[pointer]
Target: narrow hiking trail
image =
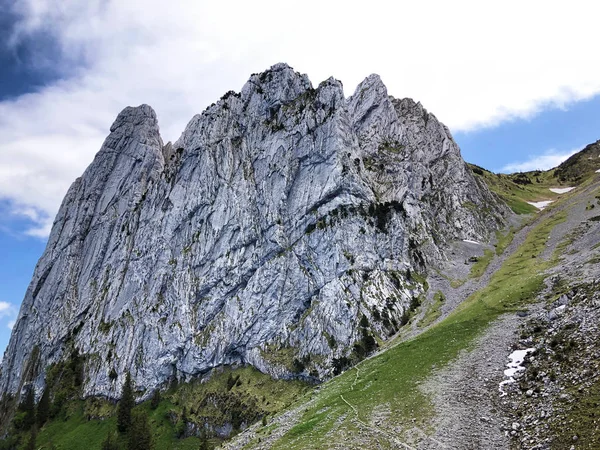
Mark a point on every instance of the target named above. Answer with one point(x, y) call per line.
point(463, 392)
point(374, 428)
point(391, 437)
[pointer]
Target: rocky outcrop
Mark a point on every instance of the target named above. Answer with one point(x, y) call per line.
point(283, 229)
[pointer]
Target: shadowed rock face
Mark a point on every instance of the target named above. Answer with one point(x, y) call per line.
point(281, 217)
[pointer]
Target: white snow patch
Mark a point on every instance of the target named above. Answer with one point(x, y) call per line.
point(598, 171)
point(541, 205)
point(514, 365)
point(471, 242)
point(560, 308)
point(562, 190)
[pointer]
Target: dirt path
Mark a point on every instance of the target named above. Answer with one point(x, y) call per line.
point(466, 413)
point(465, 392)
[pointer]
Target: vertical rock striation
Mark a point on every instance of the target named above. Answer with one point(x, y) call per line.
point(280, 230)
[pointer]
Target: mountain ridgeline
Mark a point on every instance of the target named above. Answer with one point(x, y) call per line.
point(285, 229)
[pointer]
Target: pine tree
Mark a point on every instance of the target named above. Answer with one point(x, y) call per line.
point(140, 435)
point(110, 443)
point(126, 403)
point(32, 440)
point(155, 401)
point(43, 409)
point(28, 407)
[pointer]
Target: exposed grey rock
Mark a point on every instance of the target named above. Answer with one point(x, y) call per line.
point(280, 217)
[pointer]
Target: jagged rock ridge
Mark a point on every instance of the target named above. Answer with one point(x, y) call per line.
point(283, 225)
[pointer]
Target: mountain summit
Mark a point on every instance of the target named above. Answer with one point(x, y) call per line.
point(286, 229)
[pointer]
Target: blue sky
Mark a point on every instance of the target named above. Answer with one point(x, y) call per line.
point(518, 91)
point(18, 258)
point(541, 141)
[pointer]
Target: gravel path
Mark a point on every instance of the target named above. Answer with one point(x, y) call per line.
point(456, 269)
point(466, 413)
point(465, 392)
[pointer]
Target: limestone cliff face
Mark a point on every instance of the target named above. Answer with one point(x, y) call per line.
point(283, 224)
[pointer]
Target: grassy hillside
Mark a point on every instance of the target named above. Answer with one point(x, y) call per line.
point(229, 399)
point(518, 189)
point(580, 166)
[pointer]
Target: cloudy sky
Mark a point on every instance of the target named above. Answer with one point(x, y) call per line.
point(517, 82)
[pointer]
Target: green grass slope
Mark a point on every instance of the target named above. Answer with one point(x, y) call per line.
point(519, 188)
point(229, 398)
point(580, 166)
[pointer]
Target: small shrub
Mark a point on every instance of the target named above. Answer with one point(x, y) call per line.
point(364, 322)
point(405, 317)
point(298, 366)
point(340, 364)
point(415, 302)
point(376, 314)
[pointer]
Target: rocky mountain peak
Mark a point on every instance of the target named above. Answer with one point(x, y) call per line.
point(372, 113)
point(280, 230)
point(373, 84)
point(280, 84)
point(139, 124)
point(139, 116)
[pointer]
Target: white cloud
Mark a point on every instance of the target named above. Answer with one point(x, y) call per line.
point(545, 161)
point(5, 308)
point(8, 310)
point(472, 63)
